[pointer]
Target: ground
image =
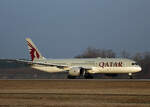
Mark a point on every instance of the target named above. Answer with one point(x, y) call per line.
point(74, 93)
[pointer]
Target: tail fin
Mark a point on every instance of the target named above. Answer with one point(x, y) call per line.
point(34, 52)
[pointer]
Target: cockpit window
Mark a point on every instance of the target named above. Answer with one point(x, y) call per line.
point(134, 63)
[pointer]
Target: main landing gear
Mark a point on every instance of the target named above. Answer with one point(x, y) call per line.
point(130, 76)
point(84, 74)
point(88, 76)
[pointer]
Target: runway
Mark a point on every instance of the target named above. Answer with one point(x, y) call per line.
point(75, 93)
point(76, 79)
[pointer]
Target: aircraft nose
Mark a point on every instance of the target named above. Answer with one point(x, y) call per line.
point(139, 69)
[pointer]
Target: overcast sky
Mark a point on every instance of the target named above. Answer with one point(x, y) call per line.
point(65, 28)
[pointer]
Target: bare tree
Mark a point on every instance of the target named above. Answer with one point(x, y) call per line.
point(94, 52)
point(124, 54)
point(137, 57)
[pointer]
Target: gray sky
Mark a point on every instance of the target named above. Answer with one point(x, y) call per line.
point(65, 28)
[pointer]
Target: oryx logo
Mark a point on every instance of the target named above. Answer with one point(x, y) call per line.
point(33, 52)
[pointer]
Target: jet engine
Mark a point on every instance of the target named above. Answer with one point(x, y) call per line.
point(75, 71)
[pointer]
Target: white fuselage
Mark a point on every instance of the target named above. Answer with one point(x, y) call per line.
point(93, 65)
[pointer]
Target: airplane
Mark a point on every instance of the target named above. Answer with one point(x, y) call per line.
point(80, 67)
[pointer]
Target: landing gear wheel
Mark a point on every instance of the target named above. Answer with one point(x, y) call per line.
point(71, 77)
point(88, 76)
point(130, 77)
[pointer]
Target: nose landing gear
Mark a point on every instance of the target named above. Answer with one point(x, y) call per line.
point(130, 76)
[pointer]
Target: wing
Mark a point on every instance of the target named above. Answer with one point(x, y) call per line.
point(60, 66)
point(40, 63)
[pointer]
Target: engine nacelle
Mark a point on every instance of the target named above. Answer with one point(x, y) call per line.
point(75, 71)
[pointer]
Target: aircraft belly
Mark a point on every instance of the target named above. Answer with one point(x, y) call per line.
point(114, 70)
